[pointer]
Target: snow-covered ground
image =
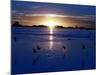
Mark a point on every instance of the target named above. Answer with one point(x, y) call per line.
point(36, 50)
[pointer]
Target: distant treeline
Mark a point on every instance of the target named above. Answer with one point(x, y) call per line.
point(17, 24)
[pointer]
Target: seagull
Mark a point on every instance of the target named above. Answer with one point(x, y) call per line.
point(64, 50)
point(37, 58)
point(38, 47)
point(34, 50)
point(83, 47)
point(64, 55)
point(63, 47)
point(69, 39)
point(15, 39)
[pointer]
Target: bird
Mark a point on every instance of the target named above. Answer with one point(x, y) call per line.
point(63, 47)
point(83, 46)
point(38, 47)
point(64, 55)
point(69, 39)
point(35, 60)
point(15, 39)
point(34, 50)
point(64, 50)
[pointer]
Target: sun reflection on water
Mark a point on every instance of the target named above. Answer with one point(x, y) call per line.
point(51, 31)
point(51, 38)
point(51, 42)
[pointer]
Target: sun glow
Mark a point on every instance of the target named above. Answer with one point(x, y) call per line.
point(50, 20)
point(51, 15)
point(51, 24)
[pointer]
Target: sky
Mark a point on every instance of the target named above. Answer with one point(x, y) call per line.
point(67, 15)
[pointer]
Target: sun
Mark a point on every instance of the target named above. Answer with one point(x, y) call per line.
point(50, 21)
point(51, 24)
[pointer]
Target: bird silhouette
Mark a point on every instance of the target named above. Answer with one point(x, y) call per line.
point(64, 55)
point(83, 46)
point(83, 58)
point(69, 39)
point(35, 60)
point(64, 50)
point(38, 47)
point(34, 50)
point(15, 38)
point(63, 47)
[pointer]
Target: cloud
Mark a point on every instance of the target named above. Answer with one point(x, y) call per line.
point(69, 20)
point(36, 7)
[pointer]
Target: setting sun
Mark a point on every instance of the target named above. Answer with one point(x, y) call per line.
point(51, 24)
point(50, 21)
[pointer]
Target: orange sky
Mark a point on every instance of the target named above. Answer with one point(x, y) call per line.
point(66, 21)
point(67, 15)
